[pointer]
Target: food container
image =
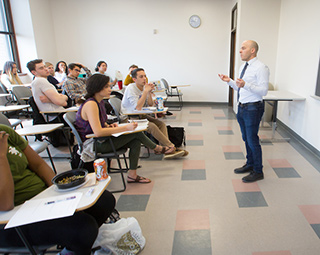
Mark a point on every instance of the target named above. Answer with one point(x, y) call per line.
point(70, 179)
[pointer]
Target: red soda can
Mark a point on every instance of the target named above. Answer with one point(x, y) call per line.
point(100, 167)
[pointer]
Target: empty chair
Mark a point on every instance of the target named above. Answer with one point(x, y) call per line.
point(116, 105)
point(21, 92)
point(173, 91)
point(10, 122)
point(40, 146)
point(70, 118)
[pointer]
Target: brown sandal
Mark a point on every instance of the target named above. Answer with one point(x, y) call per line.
point(138, 179)
point(164, 150)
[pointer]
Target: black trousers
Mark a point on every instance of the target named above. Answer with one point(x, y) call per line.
point(77, 233)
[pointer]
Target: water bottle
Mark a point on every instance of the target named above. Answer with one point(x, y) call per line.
point(160, 103)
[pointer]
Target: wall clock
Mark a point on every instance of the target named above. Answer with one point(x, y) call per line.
point(195, 21)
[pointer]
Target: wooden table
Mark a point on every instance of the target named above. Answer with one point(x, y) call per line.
point(274, 96)
point(85, 202)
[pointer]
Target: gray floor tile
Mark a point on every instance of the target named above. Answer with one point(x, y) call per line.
point(288, 172)
point(233, 155)
point(194, 142)
point(316, 228)
point(195, 112)
point(191, 242)
point(225, 132)
point(193, 174)
point(193, 124)
point(250, 199)
point(132, 202)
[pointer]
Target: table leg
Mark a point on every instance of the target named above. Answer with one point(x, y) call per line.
point(25, 241)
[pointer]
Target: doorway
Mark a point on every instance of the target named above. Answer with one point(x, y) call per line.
point(234, 13)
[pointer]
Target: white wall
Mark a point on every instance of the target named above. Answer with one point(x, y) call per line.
point(121, 33)
point(297, 66)
point(258, 20)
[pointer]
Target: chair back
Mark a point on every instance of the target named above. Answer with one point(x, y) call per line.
point(116, 105)
point(4, 120)
point(20, 91)
point(4, 88)
point(165, 83)
point(36, 115)
point(70, 118)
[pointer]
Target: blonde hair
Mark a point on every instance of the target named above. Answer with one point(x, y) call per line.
point(7, 69)
point(48, 64)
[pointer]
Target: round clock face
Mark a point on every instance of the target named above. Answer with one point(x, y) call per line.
point(195, 21)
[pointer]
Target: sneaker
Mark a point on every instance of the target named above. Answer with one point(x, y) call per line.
point(175, 154)
point(253, 177)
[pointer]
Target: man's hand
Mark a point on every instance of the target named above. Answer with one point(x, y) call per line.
point(149, 87)
point(240, 83)
point(224, 77)
point(44, 99)
point(3, 143)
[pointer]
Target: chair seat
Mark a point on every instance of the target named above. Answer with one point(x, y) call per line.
point(111, 154)
point(39, 146)
point(173, 93)
point(14, 122)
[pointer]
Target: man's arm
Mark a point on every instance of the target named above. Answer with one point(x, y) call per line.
point(146, 94)
point(6, 179)
point(55, 97)
point(262, 85)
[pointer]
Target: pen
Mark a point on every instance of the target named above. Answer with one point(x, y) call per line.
point(60, 200)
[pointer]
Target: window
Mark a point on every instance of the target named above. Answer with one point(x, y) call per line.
point(8, 45)
point(318, 82)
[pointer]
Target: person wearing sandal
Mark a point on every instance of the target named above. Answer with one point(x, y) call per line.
point(138, 95)
point(91, 118)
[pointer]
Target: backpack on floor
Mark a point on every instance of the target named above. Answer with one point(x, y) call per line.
point(176, 135)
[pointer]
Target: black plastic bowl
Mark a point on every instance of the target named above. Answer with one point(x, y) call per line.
point(82, 172)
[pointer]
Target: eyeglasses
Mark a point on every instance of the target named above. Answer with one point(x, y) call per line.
point(77, 70)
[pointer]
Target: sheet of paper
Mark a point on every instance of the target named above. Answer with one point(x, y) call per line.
point(36, 210)
point(141, 126)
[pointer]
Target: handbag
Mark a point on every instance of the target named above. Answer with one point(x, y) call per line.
point(176, 136)
point(123, 237)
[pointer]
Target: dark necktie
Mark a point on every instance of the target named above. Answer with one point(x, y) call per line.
point(241, 75)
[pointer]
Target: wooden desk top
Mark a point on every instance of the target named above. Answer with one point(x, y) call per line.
point(145, 110)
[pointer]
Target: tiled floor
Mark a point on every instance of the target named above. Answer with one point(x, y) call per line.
point(198, 206)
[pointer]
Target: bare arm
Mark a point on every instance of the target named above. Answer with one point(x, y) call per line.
point(6, 180)
point(90, 112)
point(56, 98)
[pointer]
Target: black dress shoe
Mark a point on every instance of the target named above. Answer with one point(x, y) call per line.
point(243, 169)
point(252, 177)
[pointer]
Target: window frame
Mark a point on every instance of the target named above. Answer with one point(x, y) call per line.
point(11, 33)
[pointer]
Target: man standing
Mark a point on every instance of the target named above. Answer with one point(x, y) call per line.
point(138, 95)
point(251, 86)
point(44, 93)
point(74, 86)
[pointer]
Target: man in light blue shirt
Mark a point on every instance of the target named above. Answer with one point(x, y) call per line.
point(251, 85)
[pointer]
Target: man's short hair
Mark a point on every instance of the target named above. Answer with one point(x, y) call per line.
point(73, 66)
point(133, 66)
point(135, 71)
point(254, 45)
point(32, 64)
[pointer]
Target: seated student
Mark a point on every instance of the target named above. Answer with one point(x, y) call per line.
point(138, 95)
point(50, 77)
point(23, 175)
point(129, 79)
point(9, 75)
point(44, 93)
point(91, 118)
point(102, 69)
point(74, 86)
point(61, 71)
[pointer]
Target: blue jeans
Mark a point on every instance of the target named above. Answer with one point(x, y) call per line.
point(249, 117)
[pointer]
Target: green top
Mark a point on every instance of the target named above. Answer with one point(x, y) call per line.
point(27, 184)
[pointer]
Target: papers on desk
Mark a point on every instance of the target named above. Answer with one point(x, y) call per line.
point(142, 125)
point(36, 210)
point(144, 110)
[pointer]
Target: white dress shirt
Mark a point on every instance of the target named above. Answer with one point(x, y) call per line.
point(256, 80)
